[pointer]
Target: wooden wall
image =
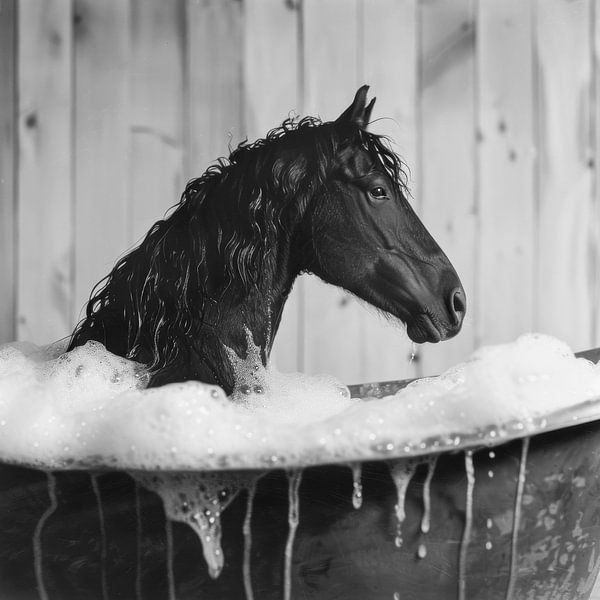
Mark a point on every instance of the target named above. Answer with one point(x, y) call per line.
point(107, 108)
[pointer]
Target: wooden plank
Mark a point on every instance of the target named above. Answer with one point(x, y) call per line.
point(270, 77)
point(565, 275)
point(270, 96)
point(446, 169)
point(102, 37)
point(157, 100)
point(595, 116)
point(506, 161)
point(389, 28)
point(214, 59)
point(8, 151)
point(332, 321)
point(45, 170)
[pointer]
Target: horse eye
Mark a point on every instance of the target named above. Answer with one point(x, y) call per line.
point(378, 192)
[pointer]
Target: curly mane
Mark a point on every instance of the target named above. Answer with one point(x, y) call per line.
point(218, 243)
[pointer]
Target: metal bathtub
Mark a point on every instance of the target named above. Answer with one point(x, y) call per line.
point(523, 524)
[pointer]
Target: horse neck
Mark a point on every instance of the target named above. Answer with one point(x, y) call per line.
point(237, 333)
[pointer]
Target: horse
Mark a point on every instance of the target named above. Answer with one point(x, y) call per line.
point(328, 198)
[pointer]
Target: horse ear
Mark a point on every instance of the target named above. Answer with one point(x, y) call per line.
point(358, 112)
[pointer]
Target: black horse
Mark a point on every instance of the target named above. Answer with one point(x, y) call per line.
point(326, 198)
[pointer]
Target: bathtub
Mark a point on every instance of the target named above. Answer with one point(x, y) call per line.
point(517, 520)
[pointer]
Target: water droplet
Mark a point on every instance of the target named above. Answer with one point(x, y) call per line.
point(422, 551)
point(246, 389)
point(214, 393)
point(258, 389)
point(488, 545)
point(490, 474)
point(489, 523)
point(356, 485)
point(492, 454)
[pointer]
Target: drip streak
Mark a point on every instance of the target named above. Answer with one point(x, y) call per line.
point(37, 535)
point(295, 477)
point(138, 544)
point(517, 519)
point(247, 530)
point(170, 574)
point(103, 554)
point(464, 546)
point(425, 521)
point(356, 484)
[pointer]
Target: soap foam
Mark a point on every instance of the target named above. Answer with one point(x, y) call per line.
point(90, 409)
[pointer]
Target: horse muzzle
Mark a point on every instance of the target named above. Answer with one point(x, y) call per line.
point(430, 299)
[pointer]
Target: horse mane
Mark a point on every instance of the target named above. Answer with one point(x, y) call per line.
point(153, 305)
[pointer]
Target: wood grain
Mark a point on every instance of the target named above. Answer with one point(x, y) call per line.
point(8, 165)
point(565, 276)
point(101, 142)
point(446, 162)
point(506, 171)
point(44, 293)
point(214, 61)
point(157, 111)
point(595, 117)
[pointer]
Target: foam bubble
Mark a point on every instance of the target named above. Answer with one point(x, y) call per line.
point(90, 409)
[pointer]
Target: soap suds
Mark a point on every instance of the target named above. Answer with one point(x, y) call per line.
point(90, 409)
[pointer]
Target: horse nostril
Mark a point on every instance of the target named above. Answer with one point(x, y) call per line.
point(458, 305)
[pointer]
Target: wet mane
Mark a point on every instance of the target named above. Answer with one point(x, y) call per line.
point(219, 243)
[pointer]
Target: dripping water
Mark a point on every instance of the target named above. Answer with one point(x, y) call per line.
point(37, 536)
point(464, 546)
point(517, 518)
point(247, 530)
point(170, 573)
point(197, 499)
point(294, 479)
point(401, 472)
point(426, 520)
point(138, 543)
point(422, 551)
point(357, 497)
point(103, 550)
point(413, 353)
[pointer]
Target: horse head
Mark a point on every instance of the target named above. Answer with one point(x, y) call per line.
point(311, 196)
point(365, 237)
